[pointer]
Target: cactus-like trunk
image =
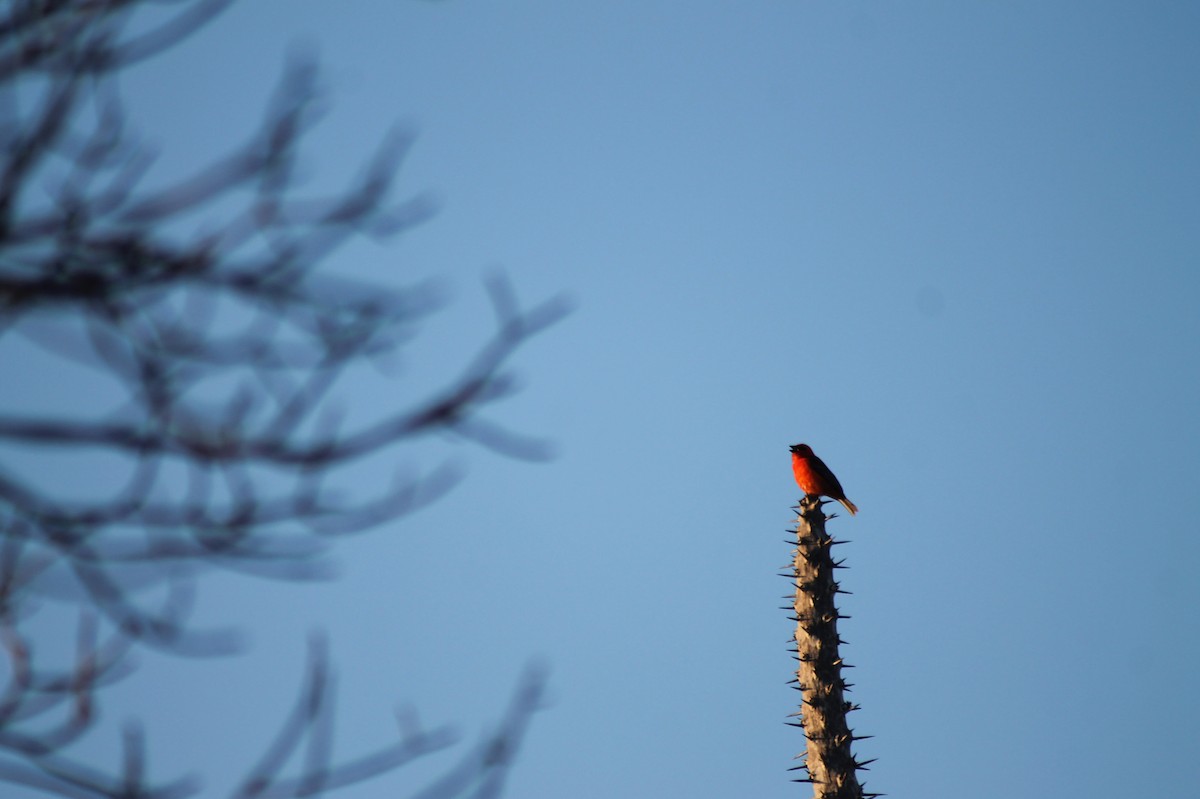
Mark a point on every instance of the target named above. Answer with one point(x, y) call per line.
point(832, 768)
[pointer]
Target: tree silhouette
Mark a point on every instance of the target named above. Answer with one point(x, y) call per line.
point(205, 302)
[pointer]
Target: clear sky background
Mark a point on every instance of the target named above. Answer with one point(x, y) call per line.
point(952, 246)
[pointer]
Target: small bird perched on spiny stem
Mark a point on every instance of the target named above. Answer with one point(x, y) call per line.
point(815, 478)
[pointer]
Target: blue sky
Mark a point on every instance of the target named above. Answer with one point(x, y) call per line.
point(952, 246)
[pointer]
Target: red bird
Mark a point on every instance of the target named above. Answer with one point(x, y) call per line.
point(814, 476)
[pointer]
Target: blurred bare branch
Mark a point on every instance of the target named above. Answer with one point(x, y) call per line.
point(204, 300)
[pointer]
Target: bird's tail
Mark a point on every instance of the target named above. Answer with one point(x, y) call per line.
point(850, 506)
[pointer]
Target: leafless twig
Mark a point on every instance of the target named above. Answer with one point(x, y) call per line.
point(205, 301)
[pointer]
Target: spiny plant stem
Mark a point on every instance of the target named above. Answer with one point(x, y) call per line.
point(829, 760)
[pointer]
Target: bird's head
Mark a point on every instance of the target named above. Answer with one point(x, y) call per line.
point(801, 449)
